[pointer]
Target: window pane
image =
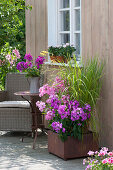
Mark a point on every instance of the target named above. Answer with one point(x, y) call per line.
point(77, 20)
point(77, 38)
point(65, 38)
point(77, 3)
point(64, 3)
point(65, 21)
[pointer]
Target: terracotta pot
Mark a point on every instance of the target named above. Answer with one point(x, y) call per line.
point(71, 148)
point(53, 58)
point(58, 59)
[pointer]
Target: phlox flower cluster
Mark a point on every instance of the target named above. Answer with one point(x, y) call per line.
point(62, 112)
point(99, 160)
point(57, 126)
point(46, 89)
point(58, 85)
point(28, 65)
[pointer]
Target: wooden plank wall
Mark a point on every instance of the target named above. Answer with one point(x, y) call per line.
point(36, 27)
point(97, 39)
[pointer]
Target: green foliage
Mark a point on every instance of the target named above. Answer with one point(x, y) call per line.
point(65, 51)
point(6, 65)
point(84, 82)
point(33, 72)
point(12, 24)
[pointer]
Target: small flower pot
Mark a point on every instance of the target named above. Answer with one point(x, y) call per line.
point(71, 148)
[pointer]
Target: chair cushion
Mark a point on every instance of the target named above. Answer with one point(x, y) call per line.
point(15, 104)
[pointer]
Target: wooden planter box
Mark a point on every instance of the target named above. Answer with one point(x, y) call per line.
point(71, 148)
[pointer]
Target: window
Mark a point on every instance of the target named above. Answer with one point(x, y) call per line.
point(64, 23)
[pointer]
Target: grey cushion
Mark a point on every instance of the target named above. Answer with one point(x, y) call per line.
point(15, 104)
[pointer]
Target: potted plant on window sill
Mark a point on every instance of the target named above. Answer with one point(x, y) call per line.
point(61, 54)
point(32, 71)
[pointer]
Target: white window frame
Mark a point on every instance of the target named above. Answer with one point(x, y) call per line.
point(72, 31)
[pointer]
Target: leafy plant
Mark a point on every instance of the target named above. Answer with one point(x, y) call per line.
point(65, 51)
point(12, 24)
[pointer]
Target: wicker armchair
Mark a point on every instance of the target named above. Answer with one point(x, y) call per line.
point(15, 117)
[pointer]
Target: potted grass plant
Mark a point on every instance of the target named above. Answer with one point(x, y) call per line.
point(69, 109)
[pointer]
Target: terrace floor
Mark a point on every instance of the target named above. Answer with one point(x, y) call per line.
point(17, 155)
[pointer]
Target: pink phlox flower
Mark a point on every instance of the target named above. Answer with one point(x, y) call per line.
point(110, 160)
point(110, 153)
point(8, 57)
point(103, 151)
point(90, 153)
point(41, 105)
point(16, 52)
point(58, 85)
point(46, 89)
point(88, 167)
point(50, 115)
point(104, 161)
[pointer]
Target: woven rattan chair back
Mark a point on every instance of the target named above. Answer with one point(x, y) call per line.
point(15, 82)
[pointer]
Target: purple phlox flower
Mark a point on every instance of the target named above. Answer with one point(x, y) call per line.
point(63, 130)
point(61, 109)
point(50, 115)
point(87, 107)
point(21, 66)
point(28, 57)
point(75, 104)
point(57, 126)
point(89, 115)
point(76, 114)
point(55, 103)
point(79, 124)
point(41, 105)
point(39, 61)
point(16, 52)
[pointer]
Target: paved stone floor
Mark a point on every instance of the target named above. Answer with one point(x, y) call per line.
point(17, 155)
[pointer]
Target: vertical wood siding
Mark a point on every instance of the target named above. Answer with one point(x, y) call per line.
point(97, 39)
point(36, 27)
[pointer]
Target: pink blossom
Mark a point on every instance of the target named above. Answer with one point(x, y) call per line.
point(104, 161)
point(8, 57)
point(90, 153)
point(41, 105)
point(16, 52)
point(49, 115)
point(46, 89)
point(110, 153)
point(110, 160)
point(58, 84)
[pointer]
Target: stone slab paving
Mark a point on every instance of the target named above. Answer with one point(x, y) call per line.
point(17, 155)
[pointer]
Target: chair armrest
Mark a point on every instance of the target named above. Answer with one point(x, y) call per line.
point(3, 95)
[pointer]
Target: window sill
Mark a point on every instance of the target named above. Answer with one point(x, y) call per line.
point(62, 64)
